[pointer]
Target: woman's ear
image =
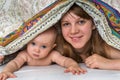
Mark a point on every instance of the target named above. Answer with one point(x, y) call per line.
point(93, 27)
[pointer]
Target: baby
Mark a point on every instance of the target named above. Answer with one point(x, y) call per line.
point(40, 52)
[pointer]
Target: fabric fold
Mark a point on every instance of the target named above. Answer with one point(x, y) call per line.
point(106, 19)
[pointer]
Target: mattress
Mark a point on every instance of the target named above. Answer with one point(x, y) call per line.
point(56, 72)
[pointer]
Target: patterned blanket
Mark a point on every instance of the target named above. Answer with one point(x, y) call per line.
point(106, 18)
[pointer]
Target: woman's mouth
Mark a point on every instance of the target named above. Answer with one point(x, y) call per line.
point(76, 39)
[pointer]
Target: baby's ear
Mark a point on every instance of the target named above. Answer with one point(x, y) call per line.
point(54, 45)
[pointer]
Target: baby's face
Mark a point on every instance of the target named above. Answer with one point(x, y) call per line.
point(41, 46)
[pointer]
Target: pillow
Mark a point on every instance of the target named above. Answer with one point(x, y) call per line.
point(106, 18)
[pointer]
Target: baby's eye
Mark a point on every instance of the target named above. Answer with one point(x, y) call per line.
point(33, 43)
point(43, 46)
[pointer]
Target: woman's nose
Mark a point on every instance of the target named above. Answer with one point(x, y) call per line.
point(74, 29)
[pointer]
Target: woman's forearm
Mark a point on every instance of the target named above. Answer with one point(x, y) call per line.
point(114, 64)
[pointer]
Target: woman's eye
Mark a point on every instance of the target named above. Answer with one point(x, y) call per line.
point(65, 24)
point(81, 21)
point(43, 46)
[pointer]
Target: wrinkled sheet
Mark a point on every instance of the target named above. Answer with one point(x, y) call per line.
point(56, 72)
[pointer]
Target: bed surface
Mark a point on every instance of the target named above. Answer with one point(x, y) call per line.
point(56, 72)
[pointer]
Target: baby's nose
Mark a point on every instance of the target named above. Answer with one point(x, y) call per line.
point(37, 49)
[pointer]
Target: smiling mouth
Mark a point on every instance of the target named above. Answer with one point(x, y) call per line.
point(76, 38)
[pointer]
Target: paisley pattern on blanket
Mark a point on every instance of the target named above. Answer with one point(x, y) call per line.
point(26, 25)
point(112, 16)
point(106, 18)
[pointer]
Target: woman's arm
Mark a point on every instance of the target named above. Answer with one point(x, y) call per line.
point(111, 63)
point(114, 57)
point(100, 62)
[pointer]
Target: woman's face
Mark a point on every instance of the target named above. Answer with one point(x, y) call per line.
point(76, 30)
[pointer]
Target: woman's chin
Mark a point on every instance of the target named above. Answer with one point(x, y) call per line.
point(77, 46)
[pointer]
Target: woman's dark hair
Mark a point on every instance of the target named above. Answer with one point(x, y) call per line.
point(95, 44)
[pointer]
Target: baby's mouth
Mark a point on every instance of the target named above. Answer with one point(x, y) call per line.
point(36, 55)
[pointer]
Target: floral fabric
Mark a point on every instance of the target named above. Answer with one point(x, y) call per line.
point(27, 18)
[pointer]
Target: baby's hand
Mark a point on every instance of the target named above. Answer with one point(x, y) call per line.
point(1, 58)
point(75, 70)
point(5, 75)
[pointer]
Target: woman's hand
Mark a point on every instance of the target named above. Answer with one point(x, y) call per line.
point(97, 61)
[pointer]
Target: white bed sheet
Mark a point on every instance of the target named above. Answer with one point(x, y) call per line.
point(56, 72)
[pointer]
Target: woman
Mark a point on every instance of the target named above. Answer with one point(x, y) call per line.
point(82, 42)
